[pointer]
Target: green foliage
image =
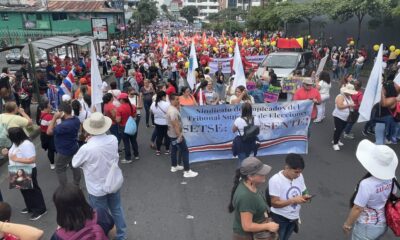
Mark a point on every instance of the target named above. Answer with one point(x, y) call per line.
point(189, 12)
point(146, 12)
point(228, 25)
point(164, 8)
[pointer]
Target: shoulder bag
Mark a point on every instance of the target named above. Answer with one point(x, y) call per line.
point(392, 210)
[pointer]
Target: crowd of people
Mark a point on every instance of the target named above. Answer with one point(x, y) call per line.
point(149, 78)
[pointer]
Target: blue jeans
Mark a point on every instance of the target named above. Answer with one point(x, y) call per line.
point(384, 128)
point(368, 231)
point(242, 156)
point(112, 202)
point(120, 82)
point(286, 226)
point(130, 140)
point(183, 153)
point(114, 131)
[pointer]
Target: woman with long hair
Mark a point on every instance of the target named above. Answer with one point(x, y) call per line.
point(74, 214)
point(248, 204)
point(23, 153)
point(187, 98)
point(109, 110)
point(159, 109)
point(241, 96)
point(124, 111)
point(243, 148)
point(146, 94)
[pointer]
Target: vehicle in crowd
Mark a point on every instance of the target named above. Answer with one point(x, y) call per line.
point(284, 63)
point(14, 56)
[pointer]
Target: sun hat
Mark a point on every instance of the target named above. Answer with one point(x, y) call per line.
point(123, 96)
point(253, 166)
point(308, 81)
point(66, 98)
point(379, 160)
point(349, 89)
point(97, 124)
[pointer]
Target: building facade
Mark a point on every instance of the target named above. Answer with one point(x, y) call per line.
point(205, 7)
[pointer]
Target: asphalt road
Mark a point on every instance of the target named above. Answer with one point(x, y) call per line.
point(163, 205)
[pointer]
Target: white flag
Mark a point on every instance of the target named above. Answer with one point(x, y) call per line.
point(191, 78)
point(201, 97)
point(321, 65)
point(240, 78)
point(372, 93)
point(97, 93)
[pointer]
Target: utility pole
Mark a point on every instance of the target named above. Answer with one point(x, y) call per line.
point(33, 67)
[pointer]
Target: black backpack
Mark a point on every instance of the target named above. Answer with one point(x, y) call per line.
point(251, 131)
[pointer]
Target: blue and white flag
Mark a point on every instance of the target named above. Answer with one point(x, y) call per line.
point(191, 78)
point(208, 129)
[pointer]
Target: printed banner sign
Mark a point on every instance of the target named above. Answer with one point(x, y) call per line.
point(272, 94)
point(226, 63)
point(208, 129)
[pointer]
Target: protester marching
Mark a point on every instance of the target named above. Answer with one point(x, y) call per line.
point(205, 96)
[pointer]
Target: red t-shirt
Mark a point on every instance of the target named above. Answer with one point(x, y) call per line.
point(119, 71)
point(302, 94)
point(171, 89)
point(108, 107)
point(124, 111)
point(45, 119)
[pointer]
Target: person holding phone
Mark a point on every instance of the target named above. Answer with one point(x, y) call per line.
point(287, 191)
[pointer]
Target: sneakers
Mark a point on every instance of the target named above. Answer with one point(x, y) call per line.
point(177, 168)
point(52, 166)
point(166, 152)
point(336, 147)
point(339, 143)
point(158, 153)
point(189, 174)
point(348, 136)
point(317, 120)
point(137, 158)
point(24, 211)
point(36, 216)
point(126, 161)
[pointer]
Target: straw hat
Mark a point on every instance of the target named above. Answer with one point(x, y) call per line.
point(308, 81)
point(349, 89)
point(97, 124)
point(379, 160)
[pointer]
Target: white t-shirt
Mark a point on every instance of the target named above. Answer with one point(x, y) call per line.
point(134, 100)
point(324, 88)
point(240, 123)
point(285, 189)
point(234, 97)
point(25, 150)
point(372, 196)
point(160, 112)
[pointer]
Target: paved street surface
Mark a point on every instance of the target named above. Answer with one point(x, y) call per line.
point(163, 205)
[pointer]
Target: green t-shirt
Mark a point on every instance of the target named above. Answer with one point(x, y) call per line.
point(245, 200)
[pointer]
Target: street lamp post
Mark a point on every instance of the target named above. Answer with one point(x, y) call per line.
point(33, 66)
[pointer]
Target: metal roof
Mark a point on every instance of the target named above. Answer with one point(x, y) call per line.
point(83, 40)
point(53, 42)
point(64, 6)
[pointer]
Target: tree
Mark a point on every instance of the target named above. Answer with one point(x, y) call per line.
point(164, 8)
point(344, 10)
point(189, 12)
point(145, 13)
point(310, 10)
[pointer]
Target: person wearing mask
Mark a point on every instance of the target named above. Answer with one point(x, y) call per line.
point(96, 159)
point(323, 86)
point(287, 191)
point(22, 153)
point(247, 203)
point(65, 141)
point(366, 219)
point(74, 214)
point(124, 111)
point(47, 140)
point(187, 99)
point(308, 92)
point(178, 142)
point(357, 98)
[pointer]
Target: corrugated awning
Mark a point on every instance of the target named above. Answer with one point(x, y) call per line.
point(53, 42)
point(83, 40)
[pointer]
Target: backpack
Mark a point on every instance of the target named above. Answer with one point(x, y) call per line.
point(251, 131)
point(91, 231)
